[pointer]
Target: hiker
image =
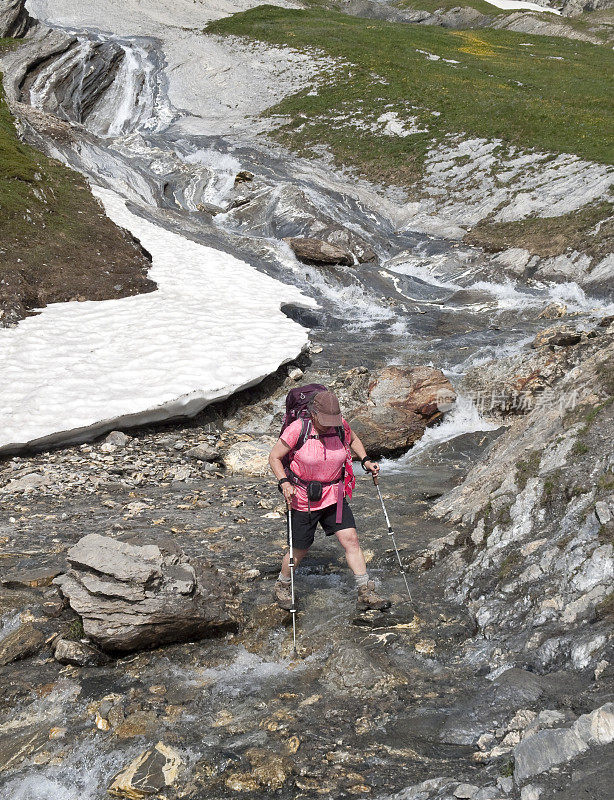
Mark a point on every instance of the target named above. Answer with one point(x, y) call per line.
point(315, 479)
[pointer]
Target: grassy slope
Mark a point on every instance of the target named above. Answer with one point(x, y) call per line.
point(561, 106)
point(55, 241)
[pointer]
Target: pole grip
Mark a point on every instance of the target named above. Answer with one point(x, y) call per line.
point(375, 479)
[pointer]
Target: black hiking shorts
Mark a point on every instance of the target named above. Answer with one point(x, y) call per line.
point(304, 523)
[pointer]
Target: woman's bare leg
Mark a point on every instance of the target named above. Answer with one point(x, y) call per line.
point(348, 539)
point(299, 555)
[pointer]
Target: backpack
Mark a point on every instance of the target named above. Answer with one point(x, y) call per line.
point(297, 401)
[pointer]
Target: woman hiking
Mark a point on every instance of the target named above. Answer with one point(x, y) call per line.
point(313, 485)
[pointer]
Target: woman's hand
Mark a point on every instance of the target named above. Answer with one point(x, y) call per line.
point(288, 492)
point(372, 467)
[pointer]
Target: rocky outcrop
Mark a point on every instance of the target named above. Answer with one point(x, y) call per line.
point(132, 596)
point(573, 8)
point(540, 751)
point(538, 563)
point(401, 403)
point(80, 654)
point(285, 212)
point(14, 19)
point(520, 383)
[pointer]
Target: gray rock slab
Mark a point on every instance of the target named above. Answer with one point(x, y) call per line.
point(167, 600)
point(117, 559)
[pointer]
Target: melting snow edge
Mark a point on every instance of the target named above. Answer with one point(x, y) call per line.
point(213, 327)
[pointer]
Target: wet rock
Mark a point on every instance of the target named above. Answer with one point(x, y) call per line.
point(316, 251)
point(24, 641)
point(268, 771)
point(351, 671)
point(244, 176)
point(31, 577)
point(401, 403)
point(203, 452)
point(438, 549)
point(16, 747)
point(285, 212)
point(14, 19)
point(140, 722)
point(131, 596)
point(553, 311)
point(149, 774)
point(250, 458)
point(78, 653)
point(557, 337)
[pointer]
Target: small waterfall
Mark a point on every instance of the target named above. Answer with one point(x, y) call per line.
point(110, 87)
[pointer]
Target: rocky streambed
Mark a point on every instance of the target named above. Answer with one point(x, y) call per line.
point(495, 681)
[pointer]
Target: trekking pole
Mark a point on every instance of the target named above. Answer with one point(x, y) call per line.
point(293, 607)
point(391, 534)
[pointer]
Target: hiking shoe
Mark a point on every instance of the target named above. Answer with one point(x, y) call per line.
point(369, 598)
point(283, 595)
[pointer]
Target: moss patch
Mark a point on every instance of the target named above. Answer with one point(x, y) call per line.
point(524, 96)
point(589, 230)
point(527, 468)
point(508, 564)
point(605, 609)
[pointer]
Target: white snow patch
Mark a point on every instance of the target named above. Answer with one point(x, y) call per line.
point(214, 326)
point(511, 5)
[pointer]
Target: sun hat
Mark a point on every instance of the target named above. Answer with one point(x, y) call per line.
point(325, 408)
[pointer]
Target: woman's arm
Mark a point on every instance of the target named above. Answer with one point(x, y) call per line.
point(359, 448)
point(280, 450)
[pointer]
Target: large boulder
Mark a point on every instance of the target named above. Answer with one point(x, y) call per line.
point(317, 251)
point(131, 596)
point(250, 458)
point(402, 402)
point(14, 19)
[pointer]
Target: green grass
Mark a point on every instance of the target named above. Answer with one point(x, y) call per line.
point(590, 229)
point(561, 106)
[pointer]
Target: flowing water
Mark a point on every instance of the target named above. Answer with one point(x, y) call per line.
point(427, 301)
